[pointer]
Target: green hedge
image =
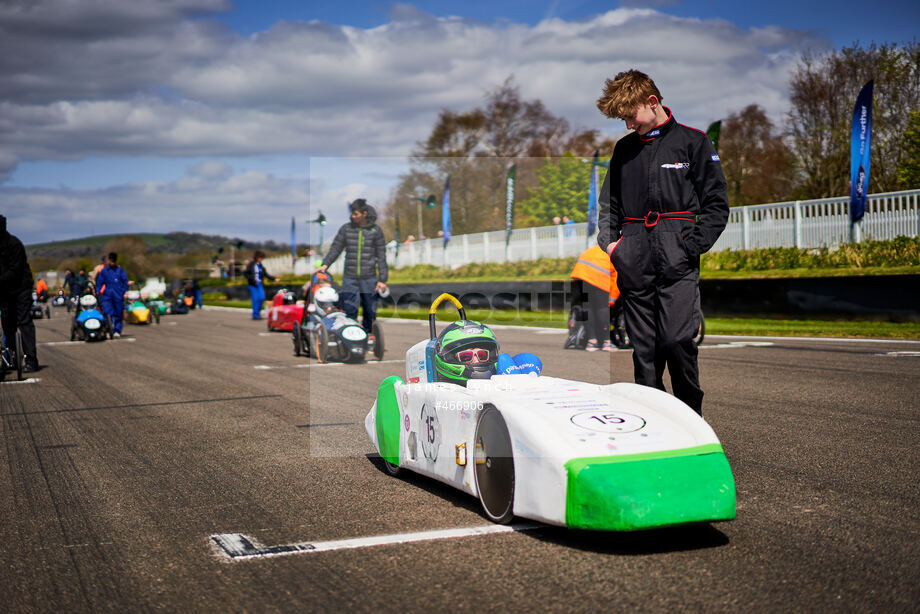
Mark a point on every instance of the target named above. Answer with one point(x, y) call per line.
point(899, 252)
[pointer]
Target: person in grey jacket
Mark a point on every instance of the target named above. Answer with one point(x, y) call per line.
point(365, 262)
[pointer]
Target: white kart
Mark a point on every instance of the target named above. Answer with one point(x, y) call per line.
point(615, 457)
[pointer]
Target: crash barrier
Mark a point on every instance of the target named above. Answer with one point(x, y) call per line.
point(885, 296)
point(805, 224)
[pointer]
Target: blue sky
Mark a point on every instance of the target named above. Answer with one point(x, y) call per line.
point(220, 117)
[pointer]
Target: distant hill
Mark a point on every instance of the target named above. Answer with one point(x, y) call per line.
point(176, 243)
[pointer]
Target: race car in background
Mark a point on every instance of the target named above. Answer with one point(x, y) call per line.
point(326, 333)
point(617, 457)
point(285, 311)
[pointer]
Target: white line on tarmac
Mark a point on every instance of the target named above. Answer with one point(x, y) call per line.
point(121, 340)
point(831, 339)
point(899, 354)
point(237, 546)
point(737, 344)
point(310, 365)
point(31, 380)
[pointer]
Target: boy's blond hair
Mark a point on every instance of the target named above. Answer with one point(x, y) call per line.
point(625, 93)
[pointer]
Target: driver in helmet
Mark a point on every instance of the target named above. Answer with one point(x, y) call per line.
point(325, 300)
point(465, 350)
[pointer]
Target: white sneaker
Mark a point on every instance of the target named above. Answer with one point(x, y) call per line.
point(117, 335)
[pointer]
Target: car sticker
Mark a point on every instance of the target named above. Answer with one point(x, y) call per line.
point(431, 432)
point(608, 421)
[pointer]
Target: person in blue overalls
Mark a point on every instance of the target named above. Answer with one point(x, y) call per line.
point(255, 274)
point(111, 284)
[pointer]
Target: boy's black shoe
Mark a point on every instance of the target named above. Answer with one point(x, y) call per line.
point(31, 366)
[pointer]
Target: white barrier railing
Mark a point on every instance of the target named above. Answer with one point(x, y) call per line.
point(806, 224)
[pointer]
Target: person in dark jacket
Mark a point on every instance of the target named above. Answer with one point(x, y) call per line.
point(663, 203)
point(16, 295)
point(111, 284)
point(255, 274)
point(365, 262)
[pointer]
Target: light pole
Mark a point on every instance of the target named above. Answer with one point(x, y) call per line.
point(321, 220)
point(430, 202)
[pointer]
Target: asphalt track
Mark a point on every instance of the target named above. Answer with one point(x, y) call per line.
point(121, 460)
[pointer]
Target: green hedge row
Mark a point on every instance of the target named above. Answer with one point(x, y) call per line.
point(898, 252)
point(901, 251)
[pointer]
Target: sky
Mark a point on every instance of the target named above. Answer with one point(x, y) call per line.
point(232, 117)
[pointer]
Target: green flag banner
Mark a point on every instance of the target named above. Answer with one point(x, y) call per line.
point(713, 131)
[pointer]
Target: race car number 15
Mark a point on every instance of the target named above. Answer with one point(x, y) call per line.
point(431, 432)
point(607, 422)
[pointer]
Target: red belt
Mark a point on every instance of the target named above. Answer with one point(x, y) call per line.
point(653, 217)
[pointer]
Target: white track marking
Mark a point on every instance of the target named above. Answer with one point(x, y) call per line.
point(738, 344)
point(899, 354)
point(119, 340)
point(831, 339)
point(237, 546)
point(31, 380)
point(310, 365)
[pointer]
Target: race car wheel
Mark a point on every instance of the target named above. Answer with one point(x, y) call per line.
point(494, 466)
point(379, 346)
point(698, 338)
point(390, 467)
point(19, 356)
point(295, 334)
point(73, 331)
point(321, 344)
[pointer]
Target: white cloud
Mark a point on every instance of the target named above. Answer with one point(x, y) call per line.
point(119, 78)
point(210, 200)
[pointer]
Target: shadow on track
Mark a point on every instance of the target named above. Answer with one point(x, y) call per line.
point(652, 541)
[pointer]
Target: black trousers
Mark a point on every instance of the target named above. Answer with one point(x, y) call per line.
point(16, 312)
point(598, 313)
point(662, 320)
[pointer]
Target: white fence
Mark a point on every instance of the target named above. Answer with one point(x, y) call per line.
point(807, 224)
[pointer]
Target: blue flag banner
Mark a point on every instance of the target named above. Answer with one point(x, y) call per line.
point(293, 240)
point(592, 198)
point(860, 145)
point(509, 204)
point(445, 213)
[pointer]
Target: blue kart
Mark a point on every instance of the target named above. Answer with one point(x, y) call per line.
point(88, 323)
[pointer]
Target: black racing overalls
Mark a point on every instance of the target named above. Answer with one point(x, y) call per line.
point(664, 202)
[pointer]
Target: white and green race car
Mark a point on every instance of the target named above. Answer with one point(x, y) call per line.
point(617, 457)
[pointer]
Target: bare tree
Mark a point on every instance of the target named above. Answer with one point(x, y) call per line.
point(758, 165)
point(823, 90)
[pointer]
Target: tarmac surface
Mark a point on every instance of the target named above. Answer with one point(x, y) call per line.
point(120, 460)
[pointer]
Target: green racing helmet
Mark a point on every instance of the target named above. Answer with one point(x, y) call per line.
point(454, 339)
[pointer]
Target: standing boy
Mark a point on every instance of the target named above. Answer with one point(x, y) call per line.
point(256, 275)
point(111, 284)
point(663, 203)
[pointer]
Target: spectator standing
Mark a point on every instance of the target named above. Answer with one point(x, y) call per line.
point(599, 282)
point(111, 284)
point(81, 282)
point(663, 203)
point(255, 274)
point(16, 295)
point(365, 262)
point(70, 281)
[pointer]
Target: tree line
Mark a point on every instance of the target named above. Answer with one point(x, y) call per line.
point(806, 157)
